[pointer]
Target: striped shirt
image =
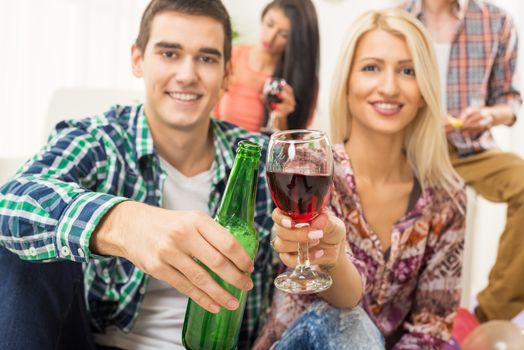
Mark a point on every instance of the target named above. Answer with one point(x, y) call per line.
point(50, 208)
point(482, 66)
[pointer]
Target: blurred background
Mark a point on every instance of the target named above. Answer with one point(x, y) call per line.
point(53, 44)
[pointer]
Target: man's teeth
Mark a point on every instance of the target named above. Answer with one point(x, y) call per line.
point(387, 105)
point(184, 97)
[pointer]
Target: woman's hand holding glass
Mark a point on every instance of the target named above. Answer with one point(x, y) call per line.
point(325, 236)
point(280, 101)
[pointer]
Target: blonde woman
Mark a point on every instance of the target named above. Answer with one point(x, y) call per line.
point(395, 190)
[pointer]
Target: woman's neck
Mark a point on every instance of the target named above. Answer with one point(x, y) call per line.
point(378, 159)
point(261, 60)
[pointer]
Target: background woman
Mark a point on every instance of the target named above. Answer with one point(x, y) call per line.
point(394, 187)
point(289, 49)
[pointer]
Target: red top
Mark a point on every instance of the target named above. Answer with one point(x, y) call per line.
point(242, 104)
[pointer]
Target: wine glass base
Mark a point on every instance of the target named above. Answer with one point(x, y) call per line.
point(307, 282)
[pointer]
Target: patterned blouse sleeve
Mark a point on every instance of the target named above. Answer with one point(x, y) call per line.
point(336, 207)
point(437, 296)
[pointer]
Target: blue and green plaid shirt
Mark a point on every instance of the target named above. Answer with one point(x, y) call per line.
point(49, 210)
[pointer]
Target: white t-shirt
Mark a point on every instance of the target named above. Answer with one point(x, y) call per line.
point(442, 51)
point(161, 315)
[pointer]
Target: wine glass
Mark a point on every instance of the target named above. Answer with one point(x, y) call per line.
point(299, 171)
point(272, 88)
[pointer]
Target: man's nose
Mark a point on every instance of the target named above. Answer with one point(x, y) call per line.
point(186, 71)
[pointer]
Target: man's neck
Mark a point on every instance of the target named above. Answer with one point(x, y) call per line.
point(191, 152)
point(440, 18)
point(438, 8)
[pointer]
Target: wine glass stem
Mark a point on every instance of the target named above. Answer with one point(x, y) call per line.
point(303, 256)
point(271, 121)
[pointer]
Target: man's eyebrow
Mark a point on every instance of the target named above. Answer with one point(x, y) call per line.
point(166, 45)
point(211, 51)
point(207, 50)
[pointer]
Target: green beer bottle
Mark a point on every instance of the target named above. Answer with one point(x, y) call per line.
point(204, 330)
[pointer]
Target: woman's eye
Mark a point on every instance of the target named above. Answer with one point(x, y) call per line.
point(408, 71)
point(369, 68)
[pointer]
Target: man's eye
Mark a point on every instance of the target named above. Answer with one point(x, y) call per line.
point(168, 54)
point(208, 59)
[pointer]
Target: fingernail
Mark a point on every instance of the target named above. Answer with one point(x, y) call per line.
point(286, 222)
point(251, 268)
point(214, 308)
point(316, 234)
point(319, 253)
point(232, 304)
point(248, 285)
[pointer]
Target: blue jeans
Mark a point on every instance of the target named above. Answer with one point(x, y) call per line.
point(324, 327)
point(42, 305)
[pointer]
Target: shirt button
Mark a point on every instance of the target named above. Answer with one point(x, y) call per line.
point(81, 253)
point(142, 290)
point(32, 251)
point(65, 251)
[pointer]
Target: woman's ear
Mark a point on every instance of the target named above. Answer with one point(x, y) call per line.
point(136, 61)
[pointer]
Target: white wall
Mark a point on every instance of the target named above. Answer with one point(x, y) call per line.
point(56, 43)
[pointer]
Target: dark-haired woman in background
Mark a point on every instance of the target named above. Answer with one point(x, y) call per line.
point(288, 49)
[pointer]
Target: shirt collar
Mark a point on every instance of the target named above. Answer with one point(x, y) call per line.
point(462, 5)
point(224, 155)
point(144, 139)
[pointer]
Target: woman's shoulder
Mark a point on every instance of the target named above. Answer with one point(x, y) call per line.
point(240, 51)
point(448, 200)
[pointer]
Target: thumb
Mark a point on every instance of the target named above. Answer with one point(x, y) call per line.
point(333, 228)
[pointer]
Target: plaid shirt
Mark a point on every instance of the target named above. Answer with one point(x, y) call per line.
point(481, 67)
point(49, 210)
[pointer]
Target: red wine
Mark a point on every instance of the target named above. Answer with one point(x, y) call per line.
point(301, 197)
point(271, 99)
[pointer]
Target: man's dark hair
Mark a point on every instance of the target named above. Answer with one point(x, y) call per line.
point(209, 8)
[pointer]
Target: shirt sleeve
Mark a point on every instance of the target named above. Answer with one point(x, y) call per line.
point(503, 82)
point(48, 210)
point(437, 296)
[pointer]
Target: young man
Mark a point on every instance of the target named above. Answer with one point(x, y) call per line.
point(130, 194)
point(476, 46)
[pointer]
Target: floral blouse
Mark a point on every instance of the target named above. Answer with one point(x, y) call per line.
point(412, 290)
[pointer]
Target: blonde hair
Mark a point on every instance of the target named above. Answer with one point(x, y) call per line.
point(425, 142)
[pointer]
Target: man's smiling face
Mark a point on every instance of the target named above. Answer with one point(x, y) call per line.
point(183, 69)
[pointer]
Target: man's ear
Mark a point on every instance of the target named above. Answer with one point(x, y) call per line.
point(136, 61)
point(227, 76)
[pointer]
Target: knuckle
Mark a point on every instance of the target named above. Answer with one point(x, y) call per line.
point(199, 278)
point(218, 262)
point(229, 245)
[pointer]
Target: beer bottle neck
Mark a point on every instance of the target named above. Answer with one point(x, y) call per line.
point(239, 197)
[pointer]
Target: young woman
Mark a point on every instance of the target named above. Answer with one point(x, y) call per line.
point(288, 49)
point(402, 204)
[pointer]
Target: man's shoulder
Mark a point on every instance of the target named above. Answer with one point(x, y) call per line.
point(494, 11)
point(117, 119)
point(233, 134)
